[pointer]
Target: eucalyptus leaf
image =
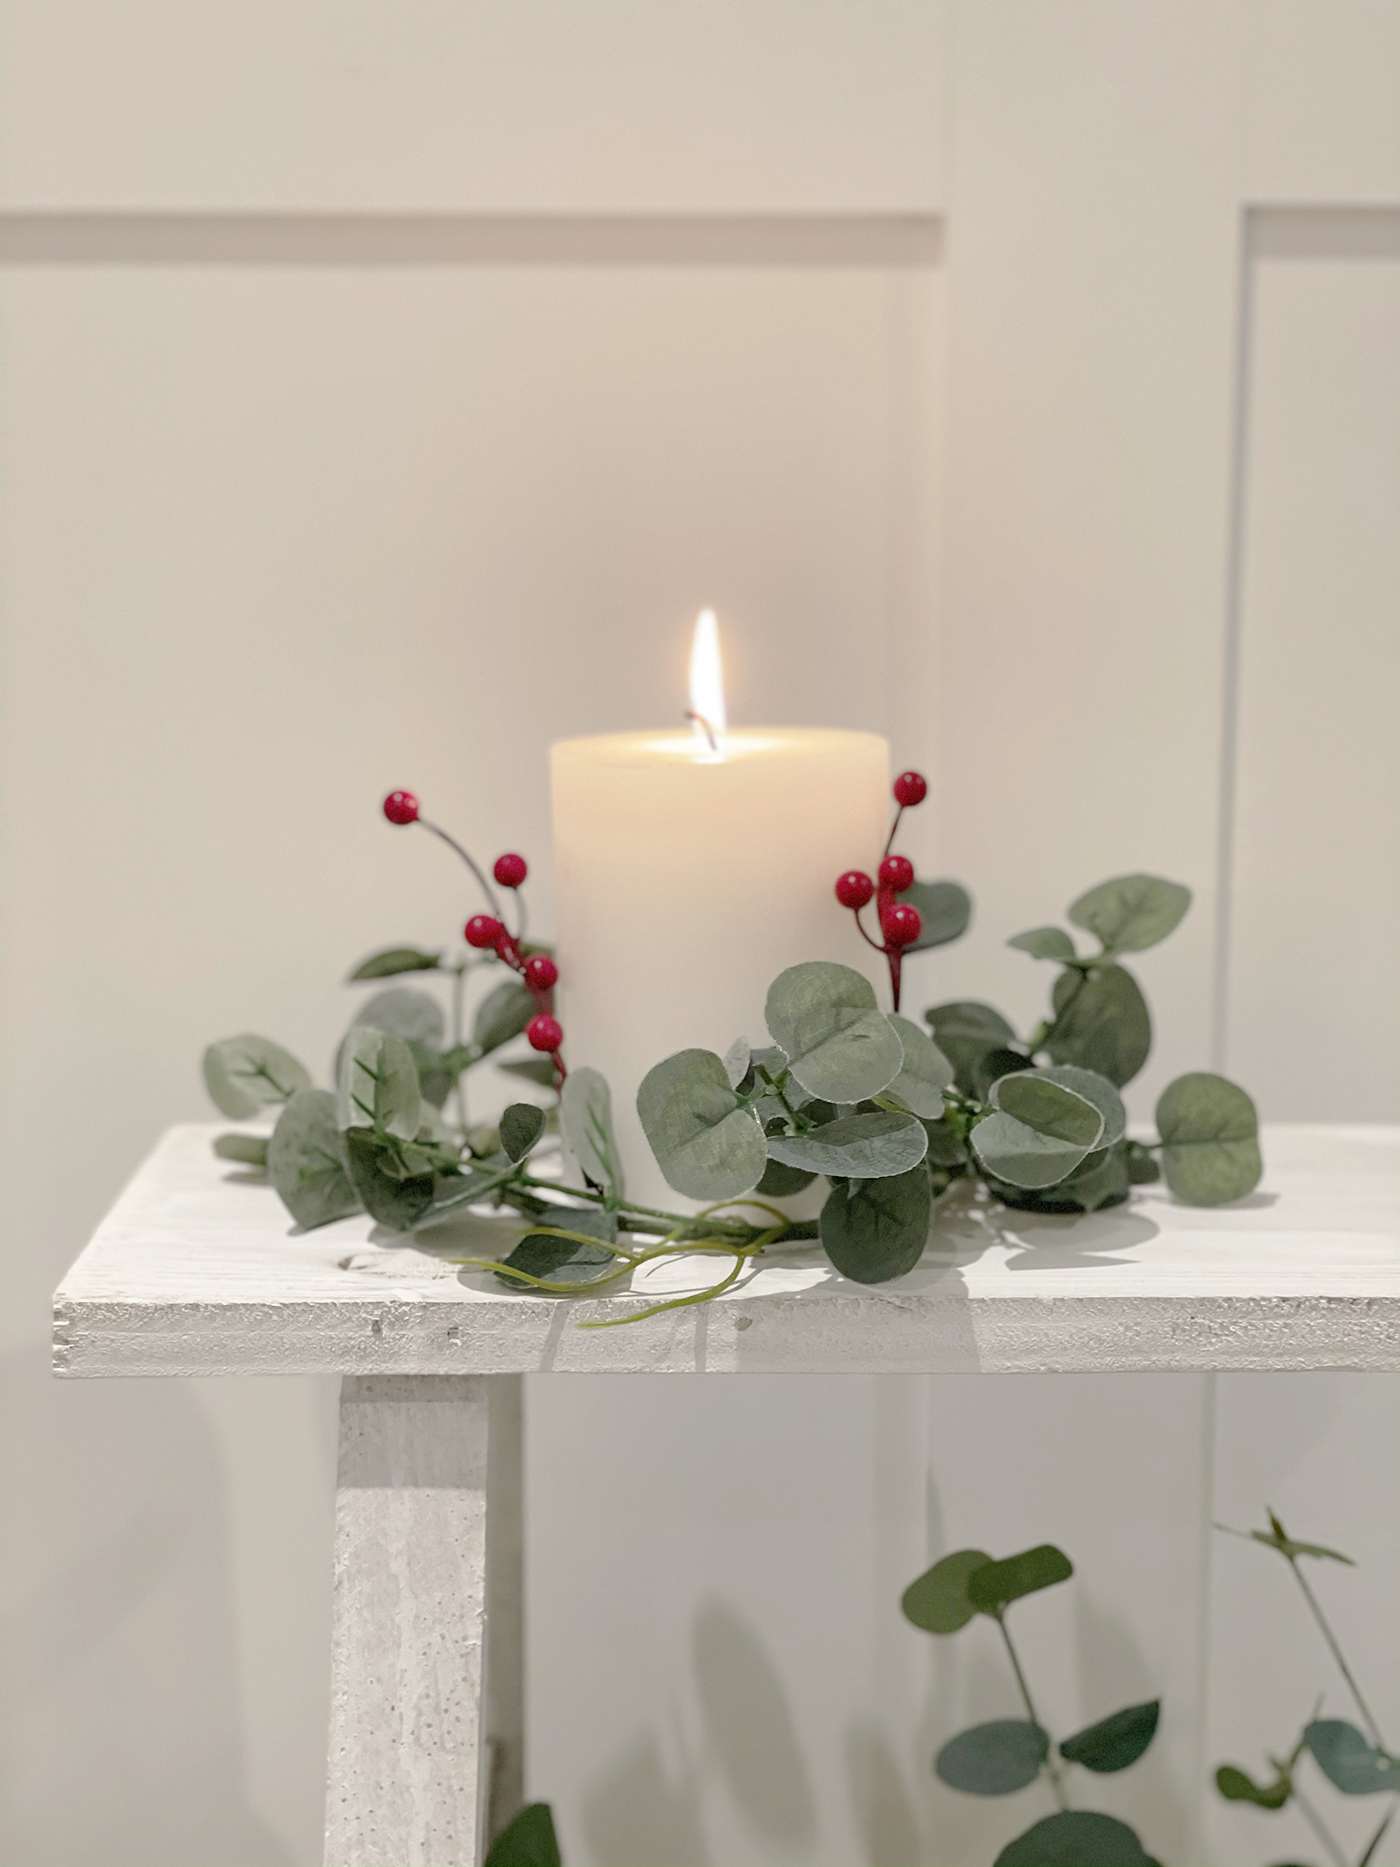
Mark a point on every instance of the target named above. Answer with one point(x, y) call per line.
point(1115, 1742)
point(416, 1017)
point(737, 1060)
point(1351, 1764)
point(945, 909)
point(873, 1230)
point(378, 1085)
point(1210, 1136)
point(394, 959)
point(245, 1075)
point(1101, 1023)
point(251, 1149)
point(564, 1260)
point(938, 1601)
point(839, 1045)
point(528, 1841)
point(993, 1759)
point(391, 1198)
point(503, 1014)
point(1096, 1089)
point(945, 1148)
point(522, 1124)
point(585, 1118)
point(1131, 912)
point(531, 1070)
point(1100, 1179)
point(1236, 1786)
point(997, 1584)
point(1045, 943)
point(781, 1181)
point(1049, 1107)
point(964, 1029)
point(307, 1162)
point(1011, 1151)
point(859, 1147)
point(706, 1146)
point(1076, 1838)
point(925, 1074)
point(992, 1065)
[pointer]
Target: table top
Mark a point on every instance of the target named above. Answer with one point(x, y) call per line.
point(199, 1270)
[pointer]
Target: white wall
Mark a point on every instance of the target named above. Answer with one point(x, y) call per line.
point(380, 399)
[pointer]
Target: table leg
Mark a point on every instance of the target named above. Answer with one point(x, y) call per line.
point(426, 1734)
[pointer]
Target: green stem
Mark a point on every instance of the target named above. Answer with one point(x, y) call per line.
point(1051, 1768)
point(459, 985)
point(680, 1223)
point(1337, 1654)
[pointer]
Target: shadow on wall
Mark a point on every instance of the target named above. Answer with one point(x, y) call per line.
point(640, 1814)
point(120, 1485)
point(885, 1818)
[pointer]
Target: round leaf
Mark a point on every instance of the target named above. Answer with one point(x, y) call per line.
point(964, 1030)
point(391, 1198)
point(504, 1012)
point(1045, 943)
point(737, 1059)
point(416, 1017)
point(938, 1600)
point(1075, 1838)
point(873, 1230)
point(378, 1085)
point(1102, 1023)
point(1015, 1153)
point(925, 1074)
point(522, 1124)
point(1348, 1761)
point(992, 1065)
point(528, 1841)
point(1100, 1179)
point(394, 959)
point(707, 1147)
point(563, 1260)
point(857, 1147)
point(1131, 912)
point(993, 1759)
point(306, 1160)
point(247, 1074)
point(1210, 1135)
point(944, 908)
point(782, 1182)
point(585, 1120)
point(839, 1045)
point(1096, 1089)
point(998, 1583)
point(1049, 1107)
point(1113, 1743)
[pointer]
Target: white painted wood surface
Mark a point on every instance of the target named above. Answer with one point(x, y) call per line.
point(195, 1272)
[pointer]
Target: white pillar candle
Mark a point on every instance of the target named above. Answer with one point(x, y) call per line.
point(688, 878)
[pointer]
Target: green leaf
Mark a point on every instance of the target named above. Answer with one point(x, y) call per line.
point(1143, 1170)
point(416, 1017)
point(1100, 1179)
point(1096, 1089)
point(247, 1074)
point(1076, 1838)
point(1045, 943)
point(1101, 1023)
point(1015, 1153)
point(390, 1196)
point(925, 1074)
point(873, 1230)
point(938, 1601)
point(945, 1148)
point(1113, 1743)
point(1235, 1786)
point(1049, 1107)
point(1290, 1547)
point(991, 1588)
point(1131, 912)
point(992, 1065)
point(964, 1030)
point(705, 1144)
point(1348, 1761)
point(839, 1045)
point(306, 1160)
point(585, 1118)
point(521, 1126)
point(564, 1260)
point(527, 1842)
point(251, 1149)
point(737, 1060)
point(392, 959)
point(782, 1182)
point(945, 909)
point(993, 1759)
point(857, 1147)
point(504, 1012)
point(531, 1070)
point(1210, 1135)
point(378, 1084)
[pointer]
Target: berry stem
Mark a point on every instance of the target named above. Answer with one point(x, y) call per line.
point(894, 828)
point(452, 843)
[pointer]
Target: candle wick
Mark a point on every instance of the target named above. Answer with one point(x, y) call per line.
point(705, 727)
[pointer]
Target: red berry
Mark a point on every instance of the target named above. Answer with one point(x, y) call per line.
point(483, 930)
point(541, 973)
point(545, 1033)
point(854, 888)
point(910, 787)
point(896, 872)
point(401, 807)
point(510, 871)
point(902, 924)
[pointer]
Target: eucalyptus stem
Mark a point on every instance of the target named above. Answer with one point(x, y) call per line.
point(1051, 1768)
point(1316, 1606)
point(459, 989)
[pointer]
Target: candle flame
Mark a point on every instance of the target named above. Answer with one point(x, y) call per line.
point(706, 711)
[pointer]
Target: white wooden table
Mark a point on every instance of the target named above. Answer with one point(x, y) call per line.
point(197, 1271)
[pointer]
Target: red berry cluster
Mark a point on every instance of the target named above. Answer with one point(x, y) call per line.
point(900, 923)
point(489, 933)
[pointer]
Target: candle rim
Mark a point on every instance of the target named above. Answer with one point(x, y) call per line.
point(740, 743)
